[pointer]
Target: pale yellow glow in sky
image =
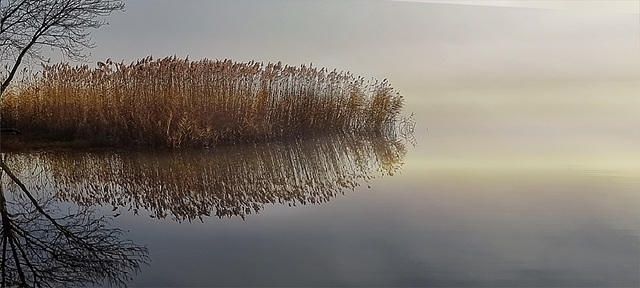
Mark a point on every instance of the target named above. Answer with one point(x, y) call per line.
point(610, 6)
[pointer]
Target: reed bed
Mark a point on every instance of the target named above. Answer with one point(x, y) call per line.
point(174, 102)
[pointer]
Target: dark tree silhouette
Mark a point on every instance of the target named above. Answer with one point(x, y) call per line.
point(28, 25)
point(43, 248)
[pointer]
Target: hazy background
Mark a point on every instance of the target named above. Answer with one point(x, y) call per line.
point(399, 39)
point(496, 83)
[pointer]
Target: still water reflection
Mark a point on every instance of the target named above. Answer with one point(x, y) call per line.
point(56, 248)
point(477, 216)
point(42, 246)
point(225, 182)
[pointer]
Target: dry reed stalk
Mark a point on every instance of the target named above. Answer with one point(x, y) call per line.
point(173, 102)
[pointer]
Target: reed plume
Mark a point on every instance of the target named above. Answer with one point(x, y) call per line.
point(174, 102)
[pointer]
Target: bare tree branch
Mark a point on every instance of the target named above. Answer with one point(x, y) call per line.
point(28, 25)
point(43, 247)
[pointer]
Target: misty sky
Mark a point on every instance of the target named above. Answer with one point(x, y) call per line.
point(386, 39)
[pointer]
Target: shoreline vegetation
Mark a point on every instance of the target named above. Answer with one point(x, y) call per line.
point(177, 103)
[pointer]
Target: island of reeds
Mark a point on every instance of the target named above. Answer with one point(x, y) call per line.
point(174, 102)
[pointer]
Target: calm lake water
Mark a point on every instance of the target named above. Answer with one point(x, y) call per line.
point(508, 184)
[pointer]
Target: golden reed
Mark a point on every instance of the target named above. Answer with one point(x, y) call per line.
point(174, 102)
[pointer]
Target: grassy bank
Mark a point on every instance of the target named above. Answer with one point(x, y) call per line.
point(175, 102)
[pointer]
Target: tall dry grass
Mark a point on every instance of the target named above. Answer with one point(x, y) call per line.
point(176, 102)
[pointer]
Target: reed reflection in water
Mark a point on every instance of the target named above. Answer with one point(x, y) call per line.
point(225, 182)
point(44, 246)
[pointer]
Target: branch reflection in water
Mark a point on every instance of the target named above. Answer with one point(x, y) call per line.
point(224, 181)
point(42, 246)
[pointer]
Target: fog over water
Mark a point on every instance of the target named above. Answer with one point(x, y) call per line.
point(525, 172)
